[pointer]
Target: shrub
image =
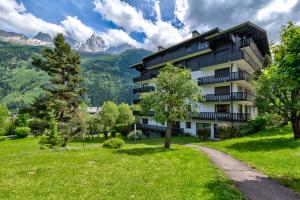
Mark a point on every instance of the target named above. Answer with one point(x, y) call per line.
point(11, 129)
point(118, 135)
point(38, 126)
point(135, 135)
point(257, 124)
point(22, 132)
point(113, 143)
point(203, 133)
point(22, 120)
point(52, 137)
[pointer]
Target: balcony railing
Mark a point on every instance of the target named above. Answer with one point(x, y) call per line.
point(228, 58)
point(234, 76)
point(143, 89)
point(144, 77)
point(136, 101)
point(139, 113)
point(215, 116)
point(234, 96)
point(175, 54)
point(250, 43)
point(147, 127)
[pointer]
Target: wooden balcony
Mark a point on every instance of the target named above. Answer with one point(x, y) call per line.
point(143, 89)
point(228, 117)
point(147, 127)
point(234, 76)
point(229, 58)
point(234, 96)
point(250, 43)
point(144, 77)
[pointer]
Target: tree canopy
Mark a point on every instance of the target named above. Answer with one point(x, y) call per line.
point(278, 88)
point(175, 95)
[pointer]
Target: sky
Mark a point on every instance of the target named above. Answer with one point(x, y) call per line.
point(143, 23)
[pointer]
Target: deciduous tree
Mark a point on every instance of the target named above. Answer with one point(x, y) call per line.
point(176, 93)
point(278, 88)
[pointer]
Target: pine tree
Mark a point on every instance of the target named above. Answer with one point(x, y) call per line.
point(65, 91)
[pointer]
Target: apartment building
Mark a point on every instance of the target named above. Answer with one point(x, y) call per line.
point(223, 62)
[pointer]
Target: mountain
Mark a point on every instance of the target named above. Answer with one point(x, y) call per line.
point(93, 44)
point(22, 39)
point(43, 37)
point(106, 76)
point(73, 43)
point(119, 49)
point(4, 34)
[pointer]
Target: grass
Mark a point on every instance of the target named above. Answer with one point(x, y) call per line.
point(138, 171)
point(274, 152)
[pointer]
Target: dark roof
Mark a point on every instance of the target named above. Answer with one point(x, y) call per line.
point(137, 65)
point(203, 35)
point(258, 34)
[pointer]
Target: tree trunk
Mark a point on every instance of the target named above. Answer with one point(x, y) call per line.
point(296, 127)
point(285, 121)
point(168, 135)
point(295, 118)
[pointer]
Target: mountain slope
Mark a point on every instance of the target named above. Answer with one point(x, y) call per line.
point(107, 76)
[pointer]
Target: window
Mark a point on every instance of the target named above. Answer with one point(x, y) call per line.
point(222, 72)
point(222, 90)
point(202, 45)
point(223, 108)
point(188, 125)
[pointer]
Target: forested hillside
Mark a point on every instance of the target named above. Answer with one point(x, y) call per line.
point(107, 76)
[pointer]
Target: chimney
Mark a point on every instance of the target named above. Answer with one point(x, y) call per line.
point(195, 33)
point(159, 48)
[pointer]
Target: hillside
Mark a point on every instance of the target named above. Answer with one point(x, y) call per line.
point(107, 76)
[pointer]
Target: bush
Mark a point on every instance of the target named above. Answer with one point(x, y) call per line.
point(38, 126)
point(227, 132)
point(135, 135)
point(257, 124)
point(52, 137)
point(22, 132)
point(113, 143)
point(203, 133)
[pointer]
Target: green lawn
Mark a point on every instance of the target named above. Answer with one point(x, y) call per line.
point(138, 171)
point(273, 152)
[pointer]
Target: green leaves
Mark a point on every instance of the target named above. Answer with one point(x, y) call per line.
point(175, 94)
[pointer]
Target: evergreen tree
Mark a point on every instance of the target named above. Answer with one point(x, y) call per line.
point(65, 92)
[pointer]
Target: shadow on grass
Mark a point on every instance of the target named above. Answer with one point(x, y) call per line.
point(89, 140)
point(182, 140)
point(222, 190)
point(143, 151)
point(265, 144)
point(286, 130)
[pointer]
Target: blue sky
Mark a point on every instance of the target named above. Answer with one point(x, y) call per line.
point(142, 23)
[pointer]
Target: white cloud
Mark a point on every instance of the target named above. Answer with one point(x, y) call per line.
point(14, 17)
point(132, 20)
point(275, 6)
point(181, 9)
point(116, 37)
point(76, 29)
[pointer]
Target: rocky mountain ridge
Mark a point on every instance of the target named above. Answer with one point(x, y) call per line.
point(94, 44)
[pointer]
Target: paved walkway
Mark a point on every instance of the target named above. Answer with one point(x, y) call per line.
point(252, 183)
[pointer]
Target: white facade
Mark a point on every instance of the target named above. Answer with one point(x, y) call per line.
point(243, 107)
